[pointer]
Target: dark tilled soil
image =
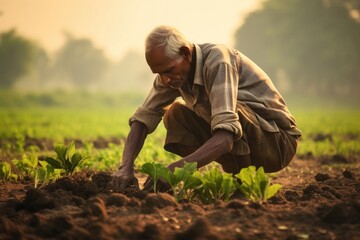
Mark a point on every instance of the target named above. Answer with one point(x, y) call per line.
point(317, 201)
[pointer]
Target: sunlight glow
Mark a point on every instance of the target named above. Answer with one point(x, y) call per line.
point(118, 26)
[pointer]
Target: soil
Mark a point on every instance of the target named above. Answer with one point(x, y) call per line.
point(320, 199)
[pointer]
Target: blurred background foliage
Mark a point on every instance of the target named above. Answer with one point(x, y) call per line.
point(310, 48)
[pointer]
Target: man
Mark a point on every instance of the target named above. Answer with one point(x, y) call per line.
point(233, 114)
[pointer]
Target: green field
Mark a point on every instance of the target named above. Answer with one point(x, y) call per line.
point(86, 117)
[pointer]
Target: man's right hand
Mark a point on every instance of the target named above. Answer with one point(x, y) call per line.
point(122, 179)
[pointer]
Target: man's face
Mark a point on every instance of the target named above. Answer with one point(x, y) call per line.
point(173, 72)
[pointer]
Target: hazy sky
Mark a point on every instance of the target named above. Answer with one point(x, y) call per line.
point(119, 25)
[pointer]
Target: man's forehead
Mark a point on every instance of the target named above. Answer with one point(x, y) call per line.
point(157, 60)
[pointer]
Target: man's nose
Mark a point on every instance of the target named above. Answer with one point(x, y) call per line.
point(165, 79)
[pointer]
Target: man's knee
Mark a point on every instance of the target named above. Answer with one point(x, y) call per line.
point(175, 112)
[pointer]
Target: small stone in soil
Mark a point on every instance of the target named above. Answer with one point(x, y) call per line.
point(322, 177)
point(348, 174)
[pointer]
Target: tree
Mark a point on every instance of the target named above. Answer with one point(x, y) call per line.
point(80, 62)
point(16, 55)
point(314, 42)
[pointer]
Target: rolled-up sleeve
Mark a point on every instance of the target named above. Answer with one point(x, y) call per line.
point(222, 88)
point(152, 110)
point(149, 117)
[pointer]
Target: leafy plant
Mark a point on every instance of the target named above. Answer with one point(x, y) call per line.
point(39, 171)
point(6, 172)
point(45, 173)
point(215, 185)
point(188, 183)
point(67, 159)
point(26, 165)
point(155, 171)
point(183, 181)
point(255, 184)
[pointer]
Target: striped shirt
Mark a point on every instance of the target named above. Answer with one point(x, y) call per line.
point(223, 77)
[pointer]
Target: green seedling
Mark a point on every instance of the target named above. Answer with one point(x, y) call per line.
point(155, 171)
point(6, 172)
point(215, 186)
point(26, 165)
point(39, 171)
point(187, 183)
point(45, 173)
point(67, 159)
point(255, 184)
point(183, 181)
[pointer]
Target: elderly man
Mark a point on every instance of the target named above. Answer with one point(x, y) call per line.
point(233, 114)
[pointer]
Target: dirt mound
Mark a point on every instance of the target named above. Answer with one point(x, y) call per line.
point(341, 213)
point(315, 203)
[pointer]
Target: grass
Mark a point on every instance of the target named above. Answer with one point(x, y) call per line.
point(326, 130)
point(329, 131)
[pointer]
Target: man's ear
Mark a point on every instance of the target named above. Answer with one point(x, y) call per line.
point(185, 51)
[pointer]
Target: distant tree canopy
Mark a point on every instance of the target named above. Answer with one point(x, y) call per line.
point(77, 65)
point(312, 44)
point(16, 55)
point(80, 62)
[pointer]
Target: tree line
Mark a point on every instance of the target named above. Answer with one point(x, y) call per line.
point(77, 65)
point(308, 47)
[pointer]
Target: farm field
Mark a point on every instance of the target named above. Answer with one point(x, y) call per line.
point(320, 197)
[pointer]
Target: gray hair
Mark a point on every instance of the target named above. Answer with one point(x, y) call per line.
point(168, 37)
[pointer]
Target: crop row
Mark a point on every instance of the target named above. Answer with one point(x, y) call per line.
point(186, 183)
point(325, 132)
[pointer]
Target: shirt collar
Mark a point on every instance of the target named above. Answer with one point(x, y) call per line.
point(198, 78)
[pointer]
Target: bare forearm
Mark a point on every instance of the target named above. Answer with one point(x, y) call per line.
point(216, 146)
point(133, 145)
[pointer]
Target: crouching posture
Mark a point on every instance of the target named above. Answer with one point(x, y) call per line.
point(231, 112)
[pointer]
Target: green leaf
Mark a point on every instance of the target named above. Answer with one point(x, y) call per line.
point(26, 161)
point(217, 178)
point(261, 183)
point(186, 170)
point(54, 162)
point(190, 167)
point(246, 175)
point(212, 181)
point(149, 169)
point(75, 161)
point(228, 186)
point(246, 191)
point(5, 170)
point(70, 150)
point(172, 179)
point(154, 170)
point(273, 189)
point(191, 182)
point(256, 184)
point(30, 161)
point(61, 152)
point(163, 172)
